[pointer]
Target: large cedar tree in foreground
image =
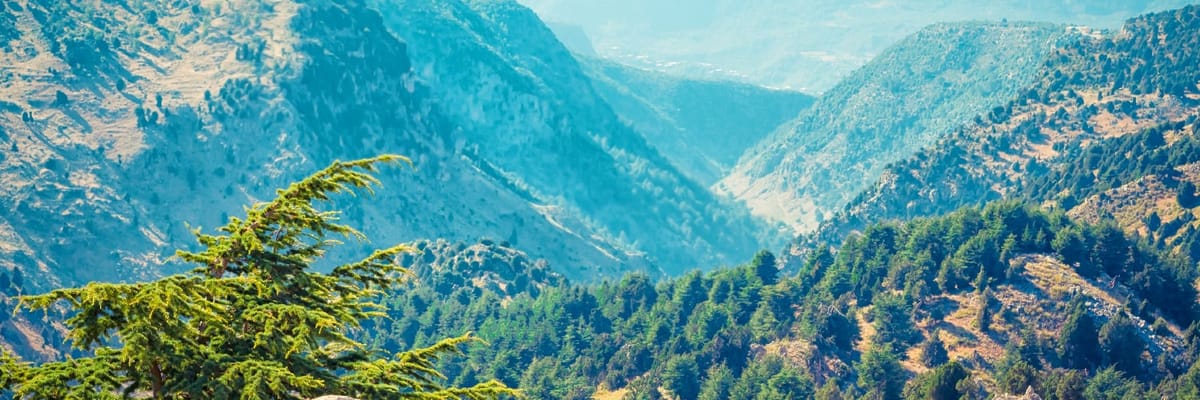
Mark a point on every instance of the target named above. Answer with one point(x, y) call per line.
point(254, 320)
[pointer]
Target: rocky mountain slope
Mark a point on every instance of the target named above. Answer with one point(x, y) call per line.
point(242, 99)
point(524, 104)
point(122, 123)
point(701, 126)
point(912, 95)
point(1105, 115)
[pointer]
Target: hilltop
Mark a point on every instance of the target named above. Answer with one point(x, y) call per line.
point(909, 97)
point(1105, 115)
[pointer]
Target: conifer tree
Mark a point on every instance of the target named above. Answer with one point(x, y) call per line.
point(1078, 345)
point(253, 320)
point(1121, 345)
point(983, 320)
point(765, 268)
point(880, 374)
point(933, 351)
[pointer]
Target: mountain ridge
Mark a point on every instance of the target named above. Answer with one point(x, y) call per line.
point(902, 101)
point(1091, 98)
point(701, 126)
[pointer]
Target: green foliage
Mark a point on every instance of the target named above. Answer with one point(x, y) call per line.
point(1121, 346)
point(253, 320)
point(787, 384)
point(939, 384)
point(829, 391)
point(983, 318)
point(1078, 345)
point(771, 377)
point(933, 352)
point(717, 383)
point(1186, 194)
point(558, 340)
point(681, 377)
point(1111, 384)
point(893, 321)
point(880, 374)
point(1014, 373)
point(765, 267)
point(973, 166)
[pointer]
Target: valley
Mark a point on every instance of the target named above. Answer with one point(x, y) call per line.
point(982, 209)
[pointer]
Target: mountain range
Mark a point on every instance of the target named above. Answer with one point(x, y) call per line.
point(984, 210)
point(806, 45)
point(509, 138)
point(909, 97)
point(1101, 114)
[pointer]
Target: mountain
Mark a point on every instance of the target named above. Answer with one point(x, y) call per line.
point(701, 126)
point(123, 123)
point(525, 105)
point(909, 97)
point(216, 106)
point(807, 45)
point(1108, 124)
point(574, 38)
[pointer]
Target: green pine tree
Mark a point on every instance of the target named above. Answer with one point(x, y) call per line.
point(253, 320)
point(933, 351)
point(765, 268)
point(1078, 345)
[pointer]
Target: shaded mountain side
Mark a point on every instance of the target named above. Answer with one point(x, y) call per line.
point(36, 337)
point(1016, 296)
point(701, 126)
point(523, 104)
point(1103, 112)
point(908, 98)
point(573, 37)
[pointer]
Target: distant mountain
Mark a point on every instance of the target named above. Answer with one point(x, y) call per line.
point(574, 38)
point(908, 98)
point(702, 127)
point(1108, 127)
point(807, 45)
